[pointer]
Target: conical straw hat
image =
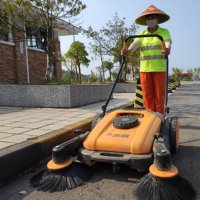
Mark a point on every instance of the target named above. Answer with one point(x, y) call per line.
point(163, 17)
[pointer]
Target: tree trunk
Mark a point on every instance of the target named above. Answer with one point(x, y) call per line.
point(110, 75)
point(133, 72)
point(77, 77)
point(103, 70)
point(101, 77)
point(50, 55)
point(15, 61)
point(125, 72)
point(121, 74)
point(79, 72)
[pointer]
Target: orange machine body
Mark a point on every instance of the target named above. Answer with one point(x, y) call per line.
point(136, 140)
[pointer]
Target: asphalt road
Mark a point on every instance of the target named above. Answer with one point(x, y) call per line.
point(104, 185)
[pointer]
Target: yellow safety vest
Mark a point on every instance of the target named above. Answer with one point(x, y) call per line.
point(151, 57)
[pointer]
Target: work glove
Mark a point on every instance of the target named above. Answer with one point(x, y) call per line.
point(166, 52)
point(124, 52)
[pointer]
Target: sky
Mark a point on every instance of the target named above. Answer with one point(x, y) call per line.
point(184, 26)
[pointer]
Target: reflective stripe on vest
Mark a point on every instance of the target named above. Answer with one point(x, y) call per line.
point(144, 48)
point(153, 57)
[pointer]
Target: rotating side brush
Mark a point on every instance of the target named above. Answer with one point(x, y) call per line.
point(163, 181)
point(62, 173)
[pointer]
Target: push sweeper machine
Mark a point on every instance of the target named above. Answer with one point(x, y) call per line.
point(136, 137)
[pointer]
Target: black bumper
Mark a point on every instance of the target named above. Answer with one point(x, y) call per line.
point(142, 161)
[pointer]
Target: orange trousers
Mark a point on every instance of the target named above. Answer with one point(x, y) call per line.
point(153, 88)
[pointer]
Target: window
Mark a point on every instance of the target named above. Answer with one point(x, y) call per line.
point(4, 33)
point(4, 36)
point(35, 39)
point(4, 30)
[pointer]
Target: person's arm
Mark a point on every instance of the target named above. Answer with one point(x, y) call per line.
point(133, 47)
point(168, 47)
point(168, 42)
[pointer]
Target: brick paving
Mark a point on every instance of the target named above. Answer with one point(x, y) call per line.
point(19, 124)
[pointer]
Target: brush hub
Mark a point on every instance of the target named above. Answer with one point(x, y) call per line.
point(125, 121)
point(52, 166)
point(172, 172)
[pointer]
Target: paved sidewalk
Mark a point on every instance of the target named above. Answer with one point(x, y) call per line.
point(20, 124)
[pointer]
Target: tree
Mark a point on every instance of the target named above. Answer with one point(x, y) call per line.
point(115, 32)
point(196, 73)
point(71, 68)
point(186, 76)
point(100, 73)
point(109, 39)
point(190, 72)
point(96, 48)
point(109, 66)
point(114, 75)
point(176, 74)
point(133, 61)
point(78, 55)
point(43, 15)
point(93, 77)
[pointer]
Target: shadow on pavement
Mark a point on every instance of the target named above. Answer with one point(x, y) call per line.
point(187, 160)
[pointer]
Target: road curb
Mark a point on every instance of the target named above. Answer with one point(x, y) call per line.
point(15, 159)
point(18, 158)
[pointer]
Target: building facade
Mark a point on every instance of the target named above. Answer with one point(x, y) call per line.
point(25, 61)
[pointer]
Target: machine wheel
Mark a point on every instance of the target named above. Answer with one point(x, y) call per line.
point(96, 120)
point(174, 134)
point(165, 132)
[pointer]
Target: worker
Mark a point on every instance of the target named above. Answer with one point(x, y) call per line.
point(152, 58)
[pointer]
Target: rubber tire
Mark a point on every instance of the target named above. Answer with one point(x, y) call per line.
point(96, 120)
point(174, 134)
point(165, 132)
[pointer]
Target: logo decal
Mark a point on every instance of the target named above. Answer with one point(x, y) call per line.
point(117, 135)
